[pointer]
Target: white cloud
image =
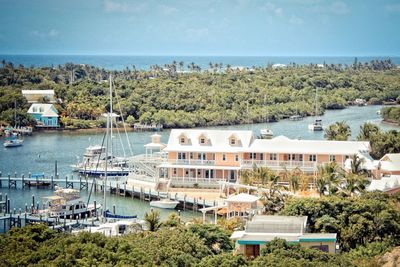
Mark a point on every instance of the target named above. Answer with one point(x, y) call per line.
point(296, 20)
point(339, 8)
point(271, 8)
point(394, 8)
point(167, 10)
point(44, 34)
point(336, 8)
point(117, 6)
point(196, 34)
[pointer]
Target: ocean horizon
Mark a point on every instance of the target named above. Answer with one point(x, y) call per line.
point(143, 62)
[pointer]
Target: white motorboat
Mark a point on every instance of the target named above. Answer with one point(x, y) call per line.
point(266, 133)
point(316, 126)
point(296, 118)
point(12, 140)
point(164, 203)
point(117, 228)
point(66, 203)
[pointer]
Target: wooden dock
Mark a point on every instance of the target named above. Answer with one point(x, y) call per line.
point(115, 186)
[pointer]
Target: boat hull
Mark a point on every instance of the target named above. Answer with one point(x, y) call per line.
point(164, 204)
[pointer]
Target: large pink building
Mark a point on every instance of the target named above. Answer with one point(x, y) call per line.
point(205, 157)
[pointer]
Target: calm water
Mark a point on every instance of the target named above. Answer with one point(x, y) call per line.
point(40, 151)
point(144, 62)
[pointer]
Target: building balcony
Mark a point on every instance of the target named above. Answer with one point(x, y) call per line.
point(280, 165)
point(191, 162)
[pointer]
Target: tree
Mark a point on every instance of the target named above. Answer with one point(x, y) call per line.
point(328, 178)
point(367, 131)
point(339, 131)
point(152, 219)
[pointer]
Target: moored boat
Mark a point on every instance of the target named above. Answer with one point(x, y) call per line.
point(66, 203)
point(12, 140)
point(164, 203)
point(266, 133)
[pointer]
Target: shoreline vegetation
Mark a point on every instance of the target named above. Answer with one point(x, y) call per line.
point(179, 95)
point(367, 225)
point(391, 115)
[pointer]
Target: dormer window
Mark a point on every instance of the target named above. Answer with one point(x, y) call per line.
point(182, 140)
point(234, 140)
point(203, 139)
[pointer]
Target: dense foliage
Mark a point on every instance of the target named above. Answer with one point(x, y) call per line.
point(391, 114)
point(185, 99)
point(381, 142)
point(368, 226)
point(357, 221)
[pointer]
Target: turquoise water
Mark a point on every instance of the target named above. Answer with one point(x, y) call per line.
point(40, 151)
point(144, 62)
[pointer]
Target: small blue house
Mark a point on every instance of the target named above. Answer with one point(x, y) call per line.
point(46, 115)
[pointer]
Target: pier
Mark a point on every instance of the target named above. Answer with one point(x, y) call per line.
point(118, 186)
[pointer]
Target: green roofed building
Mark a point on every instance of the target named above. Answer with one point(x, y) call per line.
point(265, 228)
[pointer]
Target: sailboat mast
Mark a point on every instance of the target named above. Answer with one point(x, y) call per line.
point(15, 113)
point(111, 121)
point(109, 114)
point(316, 101)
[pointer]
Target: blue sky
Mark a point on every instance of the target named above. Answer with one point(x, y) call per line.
point(201, 27)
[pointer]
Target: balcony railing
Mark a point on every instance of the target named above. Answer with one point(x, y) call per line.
point(191, 162)
point(275, 164)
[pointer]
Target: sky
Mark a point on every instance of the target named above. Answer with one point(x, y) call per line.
point(201, 27)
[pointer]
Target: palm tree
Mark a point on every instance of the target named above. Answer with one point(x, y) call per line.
point(338, 131)
point(356, 166)
point(367, 130)
point(353, 184)
point(294, 179)
point(152, 219)
point(328, 178)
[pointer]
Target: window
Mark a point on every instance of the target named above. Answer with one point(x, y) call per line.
point(223, 157)
point(272, 156)
point(202, 141)
point(253, 155)
point(236, 157)
point(187, 172)
point(182, 140)
point(332, 158)
point(261, 156)
point(312, 157)
point(301, 157)
point(201, 156)
point(181, 155)
point(174, 171)
point(191, 155)
point(292, 156)
point(233, 141)
point(198, 172)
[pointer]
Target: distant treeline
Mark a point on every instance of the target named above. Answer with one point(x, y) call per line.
point(183, 95)
point(391, 114)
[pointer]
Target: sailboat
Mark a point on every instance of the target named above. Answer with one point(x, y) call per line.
point(296, 117)
point(12, 139)
point(95, 159)
point(266, 133)
point(110, 115)
point(317, 124)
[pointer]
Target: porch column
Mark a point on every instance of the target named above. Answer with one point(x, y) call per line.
point(215, 215)
point(196, 174)
point(204, 216)
point(209, 175)
point(223, 175)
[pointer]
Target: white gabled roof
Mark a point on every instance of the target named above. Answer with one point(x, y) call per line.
point(242, 197)
point(390, 162)
point(385, 183)
point(219, 140)
point(282, 144)
point(44, 109)
point(38, 92)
